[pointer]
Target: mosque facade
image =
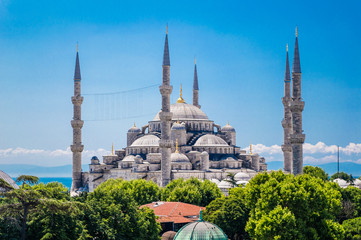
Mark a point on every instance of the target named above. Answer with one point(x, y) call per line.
point(179, 142)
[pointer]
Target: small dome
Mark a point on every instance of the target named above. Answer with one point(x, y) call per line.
point(184, 111)
point(228, 128)
point(179, 157)
point(242, 176)
point(147, 140)
point(178, 126)
point(200, 230)
point(225, 184)
point(215, 180)
point(168, 235)
point(8, 179)
point(134, 129)
point(342, 183)
point(357, 182)
point(94, 158)
point(129, 158)
point(244, 183)
point(211, 140)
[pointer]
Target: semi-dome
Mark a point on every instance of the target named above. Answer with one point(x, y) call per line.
point(200, 230)
point(129, 158)
point(184, 111)
point(225, 184)
point(178, 126)
point(242, 176)
point(134, 129)
point(228, 128)
point(147, 140)
point(8, 179)
point(179, 157)
point(211, 140)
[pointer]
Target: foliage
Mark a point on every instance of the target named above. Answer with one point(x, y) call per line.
point(33, 210)
point(27, 179)
point(191, 191)
point(229, 213)
point(313, 203)
point(352, 229)
point(114, 213)
point(344, 176)
point(230, 178)
point(315, 172)
point(5, 186)
point(351, 202)
point(280, 223)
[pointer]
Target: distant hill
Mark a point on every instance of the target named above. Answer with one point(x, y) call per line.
point(330, 168)
point(15, 170)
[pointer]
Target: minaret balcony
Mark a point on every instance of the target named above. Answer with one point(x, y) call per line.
point(165, 89)
point(165, 116)
point(297, 138)
point(77, 123)
point(286, 148)
point(77, 148)
point(165, 143)
point(286, 124)
point(297, 105)
point(77, 100)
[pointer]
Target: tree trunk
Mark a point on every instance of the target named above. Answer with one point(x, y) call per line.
point(23, 229)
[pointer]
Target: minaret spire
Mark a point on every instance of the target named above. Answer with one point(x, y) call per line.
point(297, 138)
point(287, 120)
point(77, 124)
point(165, 116)
point(195, 86)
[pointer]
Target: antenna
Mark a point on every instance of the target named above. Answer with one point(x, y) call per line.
point(338, 160)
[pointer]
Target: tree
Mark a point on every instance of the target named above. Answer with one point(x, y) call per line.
point(313, 203)
point(351, 202)
point(280, 223)
point(229, 213)
point(230, 178)
point(191, 191)
point(316, 172)
point(113, 213)
point(352, 229)
point(20, 205)
point(344, 176)
point(27, 179)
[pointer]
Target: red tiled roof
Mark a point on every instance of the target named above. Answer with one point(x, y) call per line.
point(176, 212)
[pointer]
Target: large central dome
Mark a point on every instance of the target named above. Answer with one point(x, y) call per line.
point(184, 111)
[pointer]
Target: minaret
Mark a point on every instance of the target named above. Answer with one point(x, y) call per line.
point(77, 124)
point(287, 121)
point(195, 86)
point(165, 116)
point(297, 105)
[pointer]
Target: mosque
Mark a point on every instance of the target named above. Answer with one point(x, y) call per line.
point(179, 142)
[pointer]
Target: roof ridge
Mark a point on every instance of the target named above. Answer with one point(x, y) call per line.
point(170, 214)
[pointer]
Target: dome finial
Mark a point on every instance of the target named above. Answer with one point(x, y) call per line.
point(200, 216)
point(180, 99)
point(178, 120)
point(112, 149)
point(134, 125)
point(227, 122)
point(250, 149)
point(176, 146)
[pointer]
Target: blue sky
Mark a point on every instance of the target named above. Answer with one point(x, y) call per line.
point(240, 48)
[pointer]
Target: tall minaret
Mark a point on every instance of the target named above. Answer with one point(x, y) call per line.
point(195, 86)
point(297, 105)
point(287, 120)
point(77, 124)
point(165, 116)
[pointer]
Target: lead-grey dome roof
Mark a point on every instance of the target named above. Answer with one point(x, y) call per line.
point(184, 111)
point(8, 179)
point(211, 140)
point(147, 140)
point(179, 157)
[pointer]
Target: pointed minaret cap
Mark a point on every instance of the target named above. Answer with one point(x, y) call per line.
point(195, 78)
point(287, 71)
point(296, 68)
point(77, 75)
point(166, 61)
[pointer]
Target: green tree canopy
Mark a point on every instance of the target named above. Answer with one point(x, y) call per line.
point(315, 172)
point(342, 175)
point(192, 191)
point(352, 229)
point(314, 204)
point(114, 213)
